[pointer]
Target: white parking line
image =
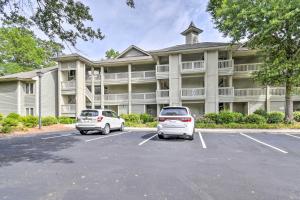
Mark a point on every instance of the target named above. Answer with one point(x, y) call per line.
point(146, 140)
point(107, 136)
point(292, 135)
point(202, 140)
point(58, 136)
point(256, 140)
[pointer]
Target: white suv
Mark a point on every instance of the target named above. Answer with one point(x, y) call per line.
point(176, 121)
point(101, 120)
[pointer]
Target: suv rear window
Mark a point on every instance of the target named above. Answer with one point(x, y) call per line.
point(89, 113)
point(174, 111)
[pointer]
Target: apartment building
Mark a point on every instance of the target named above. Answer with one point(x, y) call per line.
point(205, 76)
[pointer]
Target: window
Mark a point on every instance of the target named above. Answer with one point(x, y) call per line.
point(71, 75)
point(174, 111)
point(89, 113)
point(114, 114)
point(29, 88)
point(29, 111)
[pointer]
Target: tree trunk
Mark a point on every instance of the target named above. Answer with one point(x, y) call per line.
point(288, 103)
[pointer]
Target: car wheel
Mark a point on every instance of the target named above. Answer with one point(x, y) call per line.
point(191, 137)
point(106, 129)
point(122, 127)
point(83, 132)
point(160, 136)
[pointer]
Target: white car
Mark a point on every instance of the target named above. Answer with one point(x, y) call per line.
point(176, 121)
point(101, 120)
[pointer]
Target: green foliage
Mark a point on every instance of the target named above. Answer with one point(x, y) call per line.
point(1, 117)
point(227, 117)
point(249, 126)
point(6, 129)
point(297, 116)
point(66, 120)
point(261, 112)
point(255, 119)
point(211, 117)
point(21, 50)
point(135, 118)
point(15, 116)
point(29, 121)
point(109, 54)
point(145, 118)
point(152, 124)
point(49, 120)
point(275, 117)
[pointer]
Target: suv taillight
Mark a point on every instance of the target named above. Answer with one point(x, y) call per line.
point(186, 119)
point(99, 119)
point(161, 119)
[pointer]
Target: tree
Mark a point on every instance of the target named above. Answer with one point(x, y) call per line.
point(272, 27)
point(21, 50)
point(109, 54)
point(58, 19)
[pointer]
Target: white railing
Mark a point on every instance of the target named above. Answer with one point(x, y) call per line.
point(277, 91)
point(247, 67)
point(68, 66)
point(116, 76)
point(96, 77)
point(192, 66)
point(162, 68)
point(225, 64)
point(226, 91)
point(249, 92)
point(143, 96)
point(192, 92)
point(97, 97)
point(69, 108)
point(68, 85)
point(116, 97)
point(143, 75)
point(88, 93)
point(162, 93)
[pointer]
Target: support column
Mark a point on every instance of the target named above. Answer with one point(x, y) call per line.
point(230, 85)
point(157, 103)
point(102, 87)
point(174, 80)
point(93, 88)
point(129, 89)
point(80, 87)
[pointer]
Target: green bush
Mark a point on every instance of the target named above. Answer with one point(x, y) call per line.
point(261, 112)
point(135, 118)
point(152, 124)
point(1, 117)
point(66, 120)
point(227, 117)
point(49, 120)
point(10, 122)
point(255, 119)
point(146, 118)
point(6, 129)
point(29, 121)
point(297, 116)
point(14, 116)
point(275, 117)
point(212, 117)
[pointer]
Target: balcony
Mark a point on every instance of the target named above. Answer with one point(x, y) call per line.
point(162, 96)
point(225, 67)
point(162, 71)
point(68, 66)
point(249, 94)
point(97, 79)
point(116, 98)
point(245, 70)
point(116, 78)
point(68, 87)
point(97, 98)
point(192, 93)
point(226, 94)
point(192, 67)
point(68, 109)
point(143, 76)
point(149, 97)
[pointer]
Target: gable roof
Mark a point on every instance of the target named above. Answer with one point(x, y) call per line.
point(133, 48)
point(192, 28)
point(27, 75)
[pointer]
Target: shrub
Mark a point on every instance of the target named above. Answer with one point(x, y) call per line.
point(135, 118)
point(255, 119)
point(146, 118)
point(212, 117)
point(47, 121)
point(261, 112)
point(29, 121)
point(275, 117)
point(151, 124)
point(14, 116)
point(66, 120)
point(297, 116)
point(227, 117)
point(1, 117)
point(10, 122)
point(6, 129)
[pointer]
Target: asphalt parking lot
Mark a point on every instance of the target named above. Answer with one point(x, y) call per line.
point(138, 165)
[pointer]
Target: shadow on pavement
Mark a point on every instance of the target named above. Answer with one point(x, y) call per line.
point(34, 149)
point(168, 139)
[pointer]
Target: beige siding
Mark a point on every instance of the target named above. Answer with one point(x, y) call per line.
point(8, 97)
point(49, 94)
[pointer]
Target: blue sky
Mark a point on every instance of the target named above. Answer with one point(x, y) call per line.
point(153, 24)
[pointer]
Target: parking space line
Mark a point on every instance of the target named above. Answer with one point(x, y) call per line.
point(292, 135)
point(268, 145)
point(146, 140)
point(58, 136)
point(202, 140)
point(107, 136)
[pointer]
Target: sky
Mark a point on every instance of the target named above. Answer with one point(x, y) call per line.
point(152, 24)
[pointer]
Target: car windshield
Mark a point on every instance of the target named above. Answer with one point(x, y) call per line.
point(89, 113)
point(174, 111)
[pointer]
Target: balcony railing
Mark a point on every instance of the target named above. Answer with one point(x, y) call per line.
point(68, 109)
point(277, 91)
point(247, 67)
point(68, 85)
point(116, 97)
point(143, 96)
point(193, 66)
point(97, 97)
point(248, 92)
point(162, 68)
point(96, 77)
point(142, 75)
point(162, 93)
point(225, 64)
point(193, 92)
point(226, 91)
point(116, 76)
